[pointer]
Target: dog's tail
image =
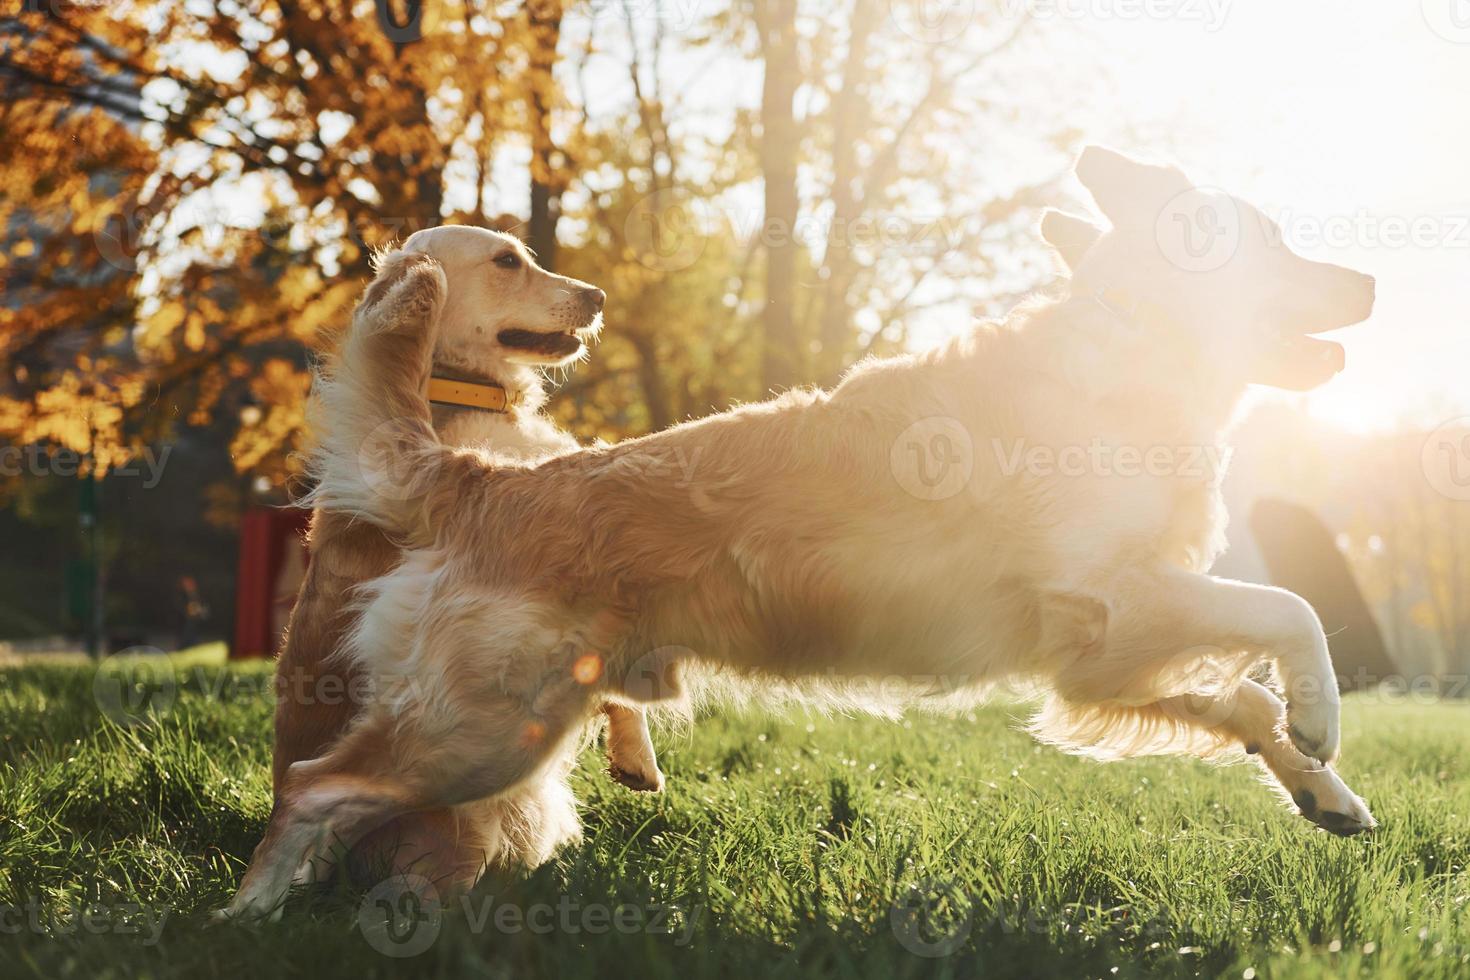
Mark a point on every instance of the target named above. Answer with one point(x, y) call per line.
point(377, 454)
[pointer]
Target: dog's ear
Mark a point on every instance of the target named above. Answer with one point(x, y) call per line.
point(1070, 235)
point(420, 241)
point(1128, 191)
point(413, 269)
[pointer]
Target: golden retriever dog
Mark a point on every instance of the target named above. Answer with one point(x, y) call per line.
point(789, 541)
point(505, 320)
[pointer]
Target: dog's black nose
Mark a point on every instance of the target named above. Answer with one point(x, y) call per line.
point(595, 297)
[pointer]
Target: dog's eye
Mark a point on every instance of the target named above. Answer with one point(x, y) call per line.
point(509, 260)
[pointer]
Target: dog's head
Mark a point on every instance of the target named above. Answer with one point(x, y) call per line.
point(503, 308)
point(1210, 269)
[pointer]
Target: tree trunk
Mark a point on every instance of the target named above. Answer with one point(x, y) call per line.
point(541, 229)
point(546, 177)
point(850, 117)
point(781, 351)
point(651, 380)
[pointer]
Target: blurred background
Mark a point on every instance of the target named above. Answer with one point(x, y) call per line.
point(768, 190)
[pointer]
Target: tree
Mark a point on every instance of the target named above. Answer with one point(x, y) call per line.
point(1410, 543)
point(193, 193)
point(781, 355)
point(548, 169)
point(877, 205)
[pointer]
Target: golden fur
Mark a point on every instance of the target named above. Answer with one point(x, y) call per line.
point(786, 542)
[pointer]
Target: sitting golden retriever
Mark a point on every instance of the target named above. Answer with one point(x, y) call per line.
point(797, 547)
point(504, 322)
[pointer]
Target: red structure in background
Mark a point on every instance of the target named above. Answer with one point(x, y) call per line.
point(272, 562)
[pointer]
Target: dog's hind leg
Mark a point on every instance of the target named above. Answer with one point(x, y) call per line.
point(1209, 725)
point(630, 756)
point(525, 826)
point(517, 830)
point(445, 846)
point(387, 766)
point(323, 804)
point(1258, 722)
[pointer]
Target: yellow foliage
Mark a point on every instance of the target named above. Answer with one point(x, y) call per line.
point(194, 332)
point(157, 329)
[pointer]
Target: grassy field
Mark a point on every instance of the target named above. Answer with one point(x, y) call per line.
point(782, 848)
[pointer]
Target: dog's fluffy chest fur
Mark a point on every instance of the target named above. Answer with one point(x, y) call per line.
point(1145, 429)
point(522, 435)
point(1149, 494)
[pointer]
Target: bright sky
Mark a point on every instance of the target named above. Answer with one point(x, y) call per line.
point(1344, 120)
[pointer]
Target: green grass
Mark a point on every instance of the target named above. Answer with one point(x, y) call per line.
point(782, 848)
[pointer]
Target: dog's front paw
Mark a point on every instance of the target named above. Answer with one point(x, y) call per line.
point(250, 907)
point(1325, 800)
point(1313, 728)
point(640, 782)
point(245, 916)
